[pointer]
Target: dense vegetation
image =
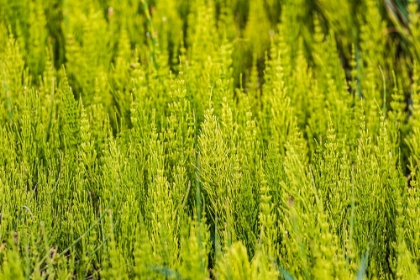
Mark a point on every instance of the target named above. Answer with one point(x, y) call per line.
point(224, 139)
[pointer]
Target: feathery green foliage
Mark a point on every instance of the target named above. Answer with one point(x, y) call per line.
point(209, 139)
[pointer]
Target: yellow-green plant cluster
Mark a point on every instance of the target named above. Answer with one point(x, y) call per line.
point(209, 139)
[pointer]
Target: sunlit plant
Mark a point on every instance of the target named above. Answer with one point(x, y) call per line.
point(209, 139)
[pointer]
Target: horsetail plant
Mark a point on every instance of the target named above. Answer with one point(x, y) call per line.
point(209, 139)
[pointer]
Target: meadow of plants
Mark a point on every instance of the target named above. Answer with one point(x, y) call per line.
point(209, 139)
